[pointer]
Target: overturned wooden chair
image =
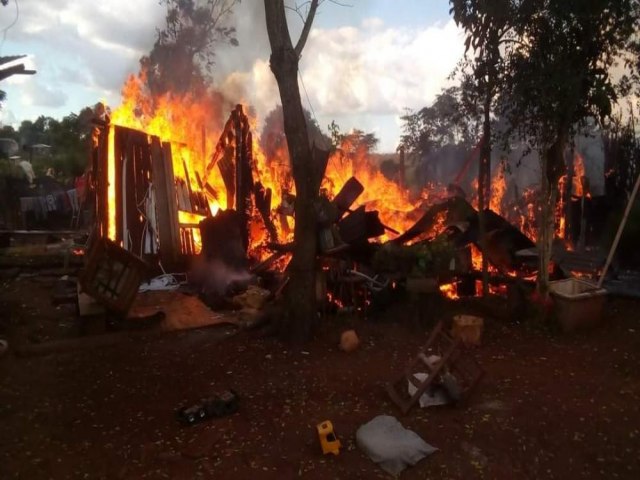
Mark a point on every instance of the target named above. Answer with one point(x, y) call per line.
point(446, 362)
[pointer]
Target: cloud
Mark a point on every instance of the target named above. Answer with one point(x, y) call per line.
point(379, 70)
point(370, 70)
point(104, 40)
point(36, 93)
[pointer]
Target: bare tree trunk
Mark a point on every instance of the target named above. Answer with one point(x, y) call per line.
point(568, 186)
point(483, 187)
point(552, 169)
point(300, 308)
point(543, 231)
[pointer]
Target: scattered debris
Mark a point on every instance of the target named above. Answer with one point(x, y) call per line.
point(218, 405)
point(467, 329)
point(454, 369)
point(432, 397)
point(349, 341)
point(328, 440)
point(254, 298)
point(112, 275)
point(390, 445)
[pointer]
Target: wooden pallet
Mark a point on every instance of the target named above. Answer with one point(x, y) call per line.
point(455, 368)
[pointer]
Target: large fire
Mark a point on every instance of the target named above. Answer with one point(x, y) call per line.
point(193, 126)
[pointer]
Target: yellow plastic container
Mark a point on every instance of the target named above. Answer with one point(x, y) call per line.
point(468, 329)
point(328, 440)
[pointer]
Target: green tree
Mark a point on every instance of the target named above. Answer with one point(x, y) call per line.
point(356, 142)
point(68, 139)
point(487, 25)
point(183, 56)
point(7, 131)
point(449, 120)
point(558, 74)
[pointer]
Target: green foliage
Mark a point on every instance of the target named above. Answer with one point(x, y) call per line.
point(7, 131)
point(183, 56)
point(68, 139)
point(424, 258)
point(559, 74)
point(451, 120)
point(334, 133)
point(354, 142)
point(621, 158)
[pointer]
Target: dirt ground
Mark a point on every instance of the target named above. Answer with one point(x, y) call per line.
point(550, 405)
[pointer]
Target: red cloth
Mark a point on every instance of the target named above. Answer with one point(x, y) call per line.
point(80, 185)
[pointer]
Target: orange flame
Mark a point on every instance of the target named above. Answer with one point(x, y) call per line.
point(498, 189)
point(449, 290)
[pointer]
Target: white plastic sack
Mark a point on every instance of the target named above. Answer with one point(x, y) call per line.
point(429, 398)
point(390, 445)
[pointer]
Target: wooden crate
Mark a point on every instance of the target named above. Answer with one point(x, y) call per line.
point(112, 275)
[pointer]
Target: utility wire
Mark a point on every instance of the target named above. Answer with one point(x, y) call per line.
point(6, 29)
point(307, 95)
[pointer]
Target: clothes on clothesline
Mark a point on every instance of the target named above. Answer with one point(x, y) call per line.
point(59, 202)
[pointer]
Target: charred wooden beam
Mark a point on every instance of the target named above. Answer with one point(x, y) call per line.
point(353, 228)
point(262, 198)
point(221, 146)
point(348, 194)
point(281, 247)
point(222, 239)
point(227, 172)
point(244, 178)
point(457, 210)
point(267, 262)
point(319, 159)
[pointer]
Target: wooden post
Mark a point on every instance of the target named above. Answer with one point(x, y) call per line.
point(172, 205)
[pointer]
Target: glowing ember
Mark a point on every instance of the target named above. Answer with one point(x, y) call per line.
point(449, 290)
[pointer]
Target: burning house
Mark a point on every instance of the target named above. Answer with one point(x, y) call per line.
point(175, 183)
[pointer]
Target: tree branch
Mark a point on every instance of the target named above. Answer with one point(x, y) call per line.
point(307, 28)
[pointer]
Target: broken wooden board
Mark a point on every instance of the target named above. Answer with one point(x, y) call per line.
point(457, 209)
point(348, 194)
point(181, 311)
